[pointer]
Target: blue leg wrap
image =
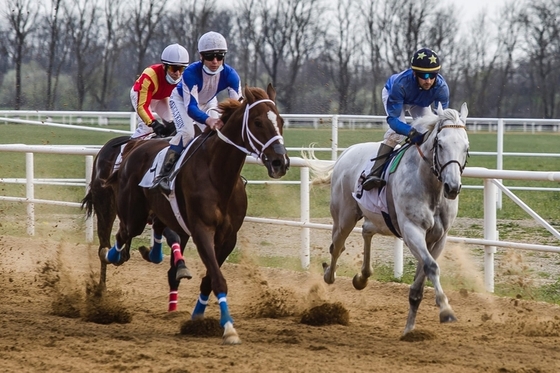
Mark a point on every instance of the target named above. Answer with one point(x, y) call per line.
point(200, 307)
point(224, 310)
point(156, 253)
point(114, 254)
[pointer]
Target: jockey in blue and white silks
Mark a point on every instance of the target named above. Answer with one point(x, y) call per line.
point(194, 98)
point(196, 95)
point(412, 91)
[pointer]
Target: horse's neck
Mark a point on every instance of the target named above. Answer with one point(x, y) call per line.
point(226, 161)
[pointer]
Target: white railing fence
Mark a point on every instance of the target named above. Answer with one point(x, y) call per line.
point(492, 186)
point(491, 183)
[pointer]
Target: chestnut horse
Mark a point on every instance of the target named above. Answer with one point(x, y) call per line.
point(210, 193)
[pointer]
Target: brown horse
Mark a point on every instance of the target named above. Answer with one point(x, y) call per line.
point(210, 193)
point(101, 198)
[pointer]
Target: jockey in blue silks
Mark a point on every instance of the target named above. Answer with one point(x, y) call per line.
point(412, 90)
point(195, 97)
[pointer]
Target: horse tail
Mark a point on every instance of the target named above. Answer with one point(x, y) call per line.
point(321, 170)
point(87, 202)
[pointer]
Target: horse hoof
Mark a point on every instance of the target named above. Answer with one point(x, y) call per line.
point(183, 272)
point(230, 336)
point(359, 282)
point(145, 252)
point(447, 316)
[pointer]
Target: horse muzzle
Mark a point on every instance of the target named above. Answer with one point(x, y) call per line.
point(451, 192)
point(277, 162)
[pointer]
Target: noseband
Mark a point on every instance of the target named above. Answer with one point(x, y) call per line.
point(436, 166)
point(246, 134)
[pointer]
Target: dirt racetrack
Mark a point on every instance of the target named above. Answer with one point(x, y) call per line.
point(493, 334)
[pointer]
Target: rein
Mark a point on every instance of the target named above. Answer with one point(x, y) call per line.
point(436, 166)
point(246, 134)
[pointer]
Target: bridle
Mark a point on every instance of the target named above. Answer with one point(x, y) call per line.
point(246, 134)
point(436, 166)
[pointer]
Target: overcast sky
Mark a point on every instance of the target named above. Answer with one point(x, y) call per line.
point(471, 8)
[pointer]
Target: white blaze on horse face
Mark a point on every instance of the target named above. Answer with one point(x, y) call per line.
point(273, 118)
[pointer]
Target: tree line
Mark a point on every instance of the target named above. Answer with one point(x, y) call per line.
point(323, 56)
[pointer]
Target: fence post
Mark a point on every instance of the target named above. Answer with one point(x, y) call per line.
point(30, 193)
point(132, 122)
point(334, 146)
point(398, 258)
point(304, 217)
point(489, 233)
point(500, 160)
point(89, 220)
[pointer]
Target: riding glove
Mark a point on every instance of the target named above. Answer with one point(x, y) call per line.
point(416, 137)
point(158, 128)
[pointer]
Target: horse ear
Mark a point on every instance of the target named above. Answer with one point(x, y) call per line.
point(464, 112)
point(271, 92)
point(439, 109)
point(249, 95)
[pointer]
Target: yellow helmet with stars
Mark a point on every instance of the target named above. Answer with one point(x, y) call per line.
point(425, 60)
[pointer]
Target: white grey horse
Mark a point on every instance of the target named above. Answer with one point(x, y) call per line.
point(421, 201)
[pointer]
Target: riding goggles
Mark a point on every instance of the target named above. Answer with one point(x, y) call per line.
point(426, 76)
point(217, 55)
point(175, 68)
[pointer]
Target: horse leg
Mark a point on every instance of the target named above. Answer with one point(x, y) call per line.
point(446, 313)
point(214, 281)
point(342, 228)
point(427, 267)
point(230, 335)
point(360, 280)
point(155, 253)
point(177, 268)
point(415, 296)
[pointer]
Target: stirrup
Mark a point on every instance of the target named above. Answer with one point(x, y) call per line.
point(163, 185)
point(373, 182)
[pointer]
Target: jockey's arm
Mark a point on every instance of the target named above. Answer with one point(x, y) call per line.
point(144, 101)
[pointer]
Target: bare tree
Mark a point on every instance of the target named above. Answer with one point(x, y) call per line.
point(52, 39)
point(540, 21)
point(190, 22)
point(142, 24)
point(509, 33)
point(372, 18)
point(110, 44)
point(341, 58)
point(81, 23)
point(287, 33)
point(21, 16)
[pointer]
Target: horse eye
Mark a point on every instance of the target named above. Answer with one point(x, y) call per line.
point(258, 122)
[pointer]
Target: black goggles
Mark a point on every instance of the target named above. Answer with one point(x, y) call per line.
point(175, 68)
point(426, 76)
point(210, 56)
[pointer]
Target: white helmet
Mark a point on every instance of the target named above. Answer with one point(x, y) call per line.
point(175, 54)
point(212, 41)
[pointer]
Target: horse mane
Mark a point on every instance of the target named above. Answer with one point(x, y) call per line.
point(428, 122)
point(228, 107)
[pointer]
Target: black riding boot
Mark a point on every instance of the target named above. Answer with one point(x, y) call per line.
point(162, 180)
point(373, 179)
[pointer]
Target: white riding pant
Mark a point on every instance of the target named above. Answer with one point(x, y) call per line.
point(160, 107)
point(183, 122)
point(392, 138)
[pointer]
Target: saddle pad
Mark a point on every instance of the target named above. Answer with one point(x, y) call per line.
point(374, 200)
